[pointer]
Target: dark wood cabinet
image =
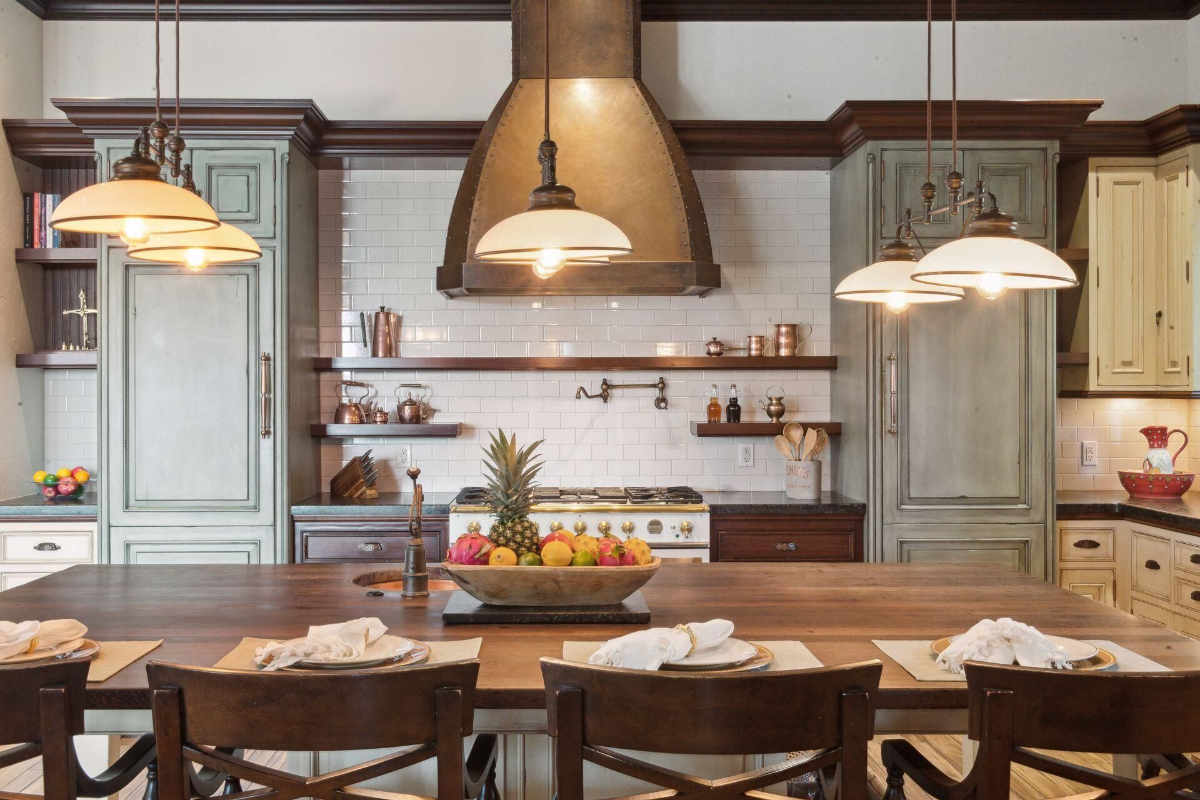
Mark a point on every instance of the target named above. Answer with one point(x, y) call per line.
point(340, 540)
point(787, 538)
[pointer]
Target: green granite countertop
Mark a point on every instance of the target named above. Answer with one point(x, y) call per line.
point(34, 505)
point(389, 504)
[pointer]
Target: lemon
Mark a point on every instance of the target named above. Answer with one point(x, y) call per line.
point(63, 473)
point(557, 554)
point(502, 557)
point(39, 476)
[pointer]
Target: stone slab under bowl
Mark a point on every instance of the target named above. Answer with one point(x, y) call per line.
point(462, 609)
point(551, 586)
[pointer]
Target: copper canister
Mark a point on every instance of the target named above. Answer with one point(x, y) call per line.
point(785, 340)
point(755, 345)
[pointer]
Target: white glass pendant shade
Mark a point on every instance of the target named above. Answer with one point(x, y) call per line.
point(133, 209)
point(225, 244)
point(553, 237)
point(889, 281)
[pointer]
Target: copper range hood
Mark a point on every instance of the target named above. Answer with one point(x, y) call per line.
point(615, 149)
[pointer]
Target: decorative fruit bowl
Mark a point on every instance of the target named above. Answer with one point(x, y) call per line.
point(66, 484)
point(1155, 484)
point(550, 586)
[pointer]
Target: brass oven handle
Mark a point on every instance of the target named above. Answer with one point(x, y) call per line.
point(47, 547)
point(371, 547)
point(785, 545)
point(893, 429)
point(1087, 544)
point(1152, 564)
point(264, 394)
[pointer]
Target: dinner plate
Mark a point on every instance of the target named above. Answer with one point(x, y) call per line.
point(76, 648)
point(760, 660)
point(386, 650)
point(1076, 650)
point(727, 653)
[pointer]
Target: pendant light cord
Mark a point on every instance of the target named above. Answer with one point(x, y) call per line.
point(157, 67)
point(954, 83)
point(928, 91)
point(546, 56)
point(176, 67)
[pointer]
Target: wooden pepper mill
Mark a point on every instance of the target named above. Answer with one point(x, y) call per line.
point(415, 578)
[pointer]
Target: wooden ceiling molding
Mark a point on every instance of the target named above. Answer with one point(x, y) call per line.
point(41, 141)
point(652, 10)
point(1174, 128)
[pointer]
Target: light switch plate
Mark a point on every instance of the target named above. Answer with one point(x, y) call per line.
point(1088, 455)
point(745, 454)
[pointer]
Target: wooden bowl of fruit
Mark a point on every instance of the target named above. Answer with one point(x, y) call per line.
point(65, 484)
point(566, 571)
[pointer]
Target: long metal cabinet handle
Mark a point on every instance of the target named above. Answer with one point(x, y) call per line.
point(892, 429)
point(264, 394)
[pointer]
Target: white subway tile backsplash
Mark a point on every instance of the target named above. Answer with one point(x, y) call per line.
point(70, 420)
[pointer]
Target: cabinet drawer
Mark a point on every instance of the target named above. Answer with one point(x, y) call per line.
point(1187, 626)
point(51, 547)
point(1187, 594)
point(1151, 565)
point(11, 580)
point(1140, 608)
point(366, 545)
point(1086, 544)
point(770, 546)
point(1187, 556)
point(1094, 583)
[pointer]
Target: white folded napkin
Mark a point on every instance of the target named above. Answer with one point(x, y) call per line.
point(338, 641)
point(18, 638)
point(1003, 641)
point(652, 648)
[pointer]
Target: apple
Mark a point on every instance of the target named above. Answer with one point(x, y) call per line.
point(557, 536)
point(67, 486)
point(50, 492)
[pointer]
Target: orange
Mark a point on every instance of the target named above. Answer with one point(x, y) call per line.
point(81, 475)
point(557, 554)
point(502, 557)
point(39, 476)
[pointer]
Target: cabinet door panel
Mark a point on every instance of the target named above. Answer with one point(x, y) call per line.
point(240, 185)
point(1017, 178)
point(1123, 232)
point(184, 545)
point(903, 173)
point(1173, 316)
point(1098, 584)
point(1019, 547)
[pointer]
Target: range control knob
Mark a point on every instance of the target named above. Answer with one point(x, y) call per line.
point(686, 527)
point(473, 527)
point(627, 527)
point(555, 526)
point(580, 526)
point(603, 527)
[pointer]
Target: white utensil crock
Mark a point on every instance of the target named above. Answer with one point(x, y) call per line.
point(803, 480)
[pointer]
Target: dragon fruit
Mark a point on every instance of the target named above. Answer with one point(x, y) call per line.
point(610, 553)
point(470, 548)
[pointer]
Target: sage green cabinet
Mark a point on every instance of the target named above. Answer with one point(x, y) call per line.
point(947, 409)
point(206, 379)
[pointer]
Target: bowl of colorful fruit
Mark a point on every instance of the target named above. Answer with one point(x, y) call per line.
point(66, 484)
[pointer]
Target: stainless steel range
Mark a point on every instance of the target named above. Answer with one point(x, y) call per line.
point(673, 520)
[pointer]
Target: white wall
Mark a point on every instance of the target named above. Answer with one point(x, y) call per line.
point(1193, 63)
point(696, 70)
point(20, 390)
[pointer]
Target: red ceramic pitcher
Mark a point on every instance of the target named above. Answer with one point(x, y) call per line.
point(1159, 457)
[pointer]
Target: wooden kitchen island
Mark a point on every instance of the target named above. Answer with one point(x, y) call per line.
point(202, 612)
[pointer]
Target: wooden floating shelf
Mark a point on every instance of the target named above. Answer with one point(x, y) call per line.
point(575, 364)
point(58, 359)
point(757, 428)
point(1073, 359)
point(58, 256)
point(445, 430)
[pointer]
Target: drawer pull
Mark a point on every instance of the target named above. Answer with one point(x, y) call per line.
point(47, 547)
point(1196, 596)
point(1152, 564)
point(785, 545)
point(1195, 559)
point(1087, 544)
point(371, 547)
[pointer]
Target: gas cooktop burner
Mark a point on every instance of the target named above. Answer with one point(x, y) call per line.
point(632, 495)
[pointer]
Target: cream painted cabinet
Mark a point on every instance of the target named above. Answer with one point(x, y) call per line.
point(1091, 560)
point(32, 550)
point(1140, 251)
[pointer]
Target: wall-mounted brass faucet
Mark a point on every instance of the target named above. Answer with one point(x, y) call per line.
point(606, 388)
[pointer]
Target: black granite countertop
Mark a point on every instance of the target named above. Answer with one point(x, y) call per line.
point(34, 505)
point(1181, 513)
point(720, 503)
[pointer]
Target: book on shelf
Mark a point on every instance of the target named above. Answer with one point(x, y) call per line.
point(39, 208)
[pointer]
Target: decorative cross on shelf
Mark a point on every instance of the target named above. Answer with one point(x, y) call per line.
point(82, 312)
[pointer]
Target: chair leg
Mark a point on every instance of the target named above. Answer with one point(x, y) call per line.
point(151, 792)
point(231, 785)
point(895, 784)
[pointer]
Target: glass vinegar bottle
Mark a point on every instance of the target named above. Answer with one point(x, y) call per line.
point(714, 405)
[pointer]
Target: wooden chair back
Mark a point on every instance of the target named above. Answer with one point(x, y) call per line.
point(41, 709)
point(1015, 710)
point(594, 709)
point(201, 713)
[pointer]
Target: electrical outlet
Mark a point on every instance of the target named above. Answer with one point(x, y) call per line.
point(403, 457)
point(1088, 455)
point(745, 454)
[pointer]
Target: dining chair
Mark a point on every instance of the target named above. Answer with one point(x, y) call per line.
point(1016, 711)
point(202, 716)
point(41, 711)
point(596, 711)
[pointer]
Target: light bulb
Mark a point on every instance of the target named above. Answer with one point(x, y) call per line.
point(134, 231)
point(551, 258)
point(541, 271)
point(991, 285)
point(195, 259)
point(896, 302)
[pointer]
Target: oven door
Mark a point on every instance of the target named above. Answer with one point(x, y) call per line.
point(678, 552)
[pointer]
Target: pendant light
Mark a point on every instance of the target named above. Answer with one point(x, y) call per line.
point(553, 231)
point(889, 281)
point(989, 255)
point(137, 202)
point(224, 244)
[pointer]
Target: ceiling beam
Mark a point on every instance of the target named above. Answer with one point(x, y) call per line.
point(652, 10)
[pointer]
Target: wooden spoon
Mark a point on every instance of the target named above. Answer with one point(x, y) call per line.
point(794, 433)
point(810, 441)
point(785, 448)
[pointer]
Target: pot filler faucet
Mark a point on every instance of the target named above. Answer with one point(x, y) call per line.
point(606, 388)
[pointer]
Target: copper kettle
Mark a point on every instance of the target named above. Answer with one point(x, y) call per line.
point(350, 412)
point(412, 411)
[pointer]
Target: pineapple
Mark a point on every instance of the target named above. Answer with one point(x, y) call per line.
point(510, 493)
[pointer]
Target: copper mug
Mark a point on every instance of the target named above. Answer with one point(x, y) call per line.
point(756, 345)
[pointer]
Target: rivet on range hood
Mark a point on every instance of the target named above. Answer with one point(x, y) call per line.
point(617, 151)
